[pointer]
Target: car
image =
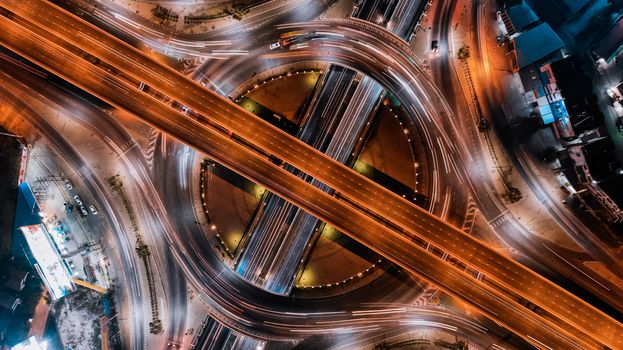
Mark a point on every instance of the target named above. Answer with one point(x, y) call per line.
point(83, 211)
point(275, 45)
point(69, 184)
point(434, 45)
point(93, 209)
point(78, 200)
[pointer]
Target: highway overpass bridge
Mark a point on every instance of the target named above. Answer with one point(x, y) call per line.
point(66, 45)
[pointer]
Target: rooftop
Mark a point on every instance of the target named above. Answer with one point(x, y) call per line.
point(611, 44)
point(556, 12)
point(51, 267)
point(14, 278)
point(574, 5)
point(8, 300)
point(522, 16)
point(536, 44)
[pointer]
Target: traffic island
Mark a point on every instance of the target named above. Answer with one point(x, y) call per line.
point(155, 326)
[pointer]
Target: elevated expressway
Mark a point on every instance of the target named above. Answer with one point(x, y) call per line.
point(277, 315)
point(568, 323)
point(335, 119)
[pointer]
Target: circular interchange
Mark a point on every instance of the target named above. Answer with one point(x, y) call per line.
point(274, 317)
point(389, 149)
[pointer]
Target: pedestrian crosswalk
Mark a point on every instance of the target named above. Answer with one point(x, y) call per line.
point(430, 296)
point(499, 220)
point(150, 147)
point(470, 216)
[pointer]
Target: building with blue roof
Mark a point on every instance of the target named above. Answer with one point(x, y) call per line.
point(27, 213)
point(557, 12)
point(573, 6)
point(519, 17)
point(539, 44)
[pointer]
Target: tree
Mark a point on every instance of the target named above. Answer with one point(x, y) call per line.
point(463, 52)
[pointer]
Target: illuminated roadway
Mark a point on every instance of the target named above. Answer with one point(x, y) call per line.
point(385, 288)
point(254, 162)
point(328, 204)
point(543, 301)
point(338, 188)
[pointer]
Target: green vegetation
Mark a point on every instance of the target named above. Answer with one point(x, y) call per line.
point(463, 53)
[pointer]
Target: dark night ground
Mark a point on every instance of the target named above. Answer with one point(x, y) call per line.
point(9, 170)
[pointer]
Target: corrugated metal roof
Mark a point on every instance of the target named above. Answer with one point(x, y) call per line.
point(536, 43)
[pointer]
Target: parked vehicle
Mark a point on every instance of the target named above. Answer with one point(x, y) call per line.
point(93, 209)
point(78, 200)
